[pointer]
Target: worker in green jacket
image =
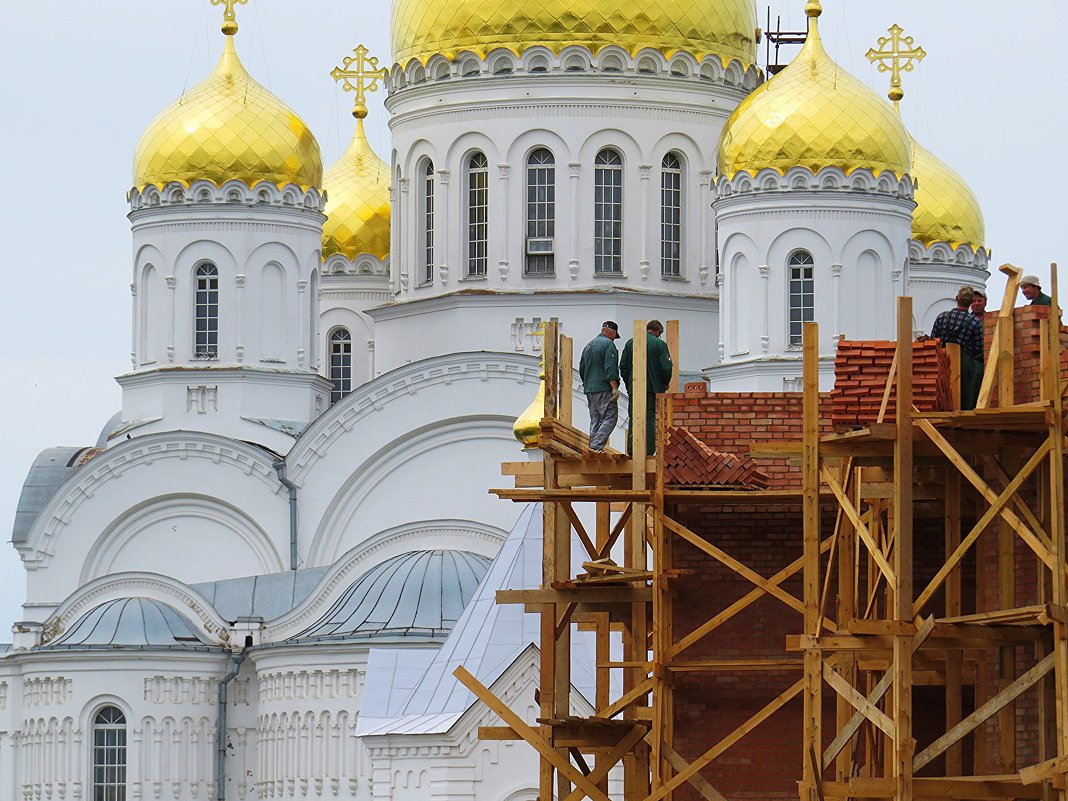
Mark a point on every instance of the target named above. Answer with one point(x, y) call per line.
point(658, 373)
point(599, 371)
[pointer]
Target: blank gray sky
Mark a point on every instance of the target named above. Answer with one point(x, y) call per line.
point(80, 81)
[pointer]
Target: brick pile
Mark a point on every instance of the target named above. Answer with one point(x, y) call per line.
point(688, 462)
point(861, 370)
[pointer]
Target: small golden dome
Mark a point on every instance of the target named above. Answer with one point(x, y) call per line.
point(814, 114)
point(357, 206)
point(726, 28)
point(946, 208)
point(228, 127)
point(527, 427)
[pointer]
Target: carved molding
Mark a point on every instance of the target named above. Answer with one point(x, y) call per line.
point(802, 179)
point(206, 193)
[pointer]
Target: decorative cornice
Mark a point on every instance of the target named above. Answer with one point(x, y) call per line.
point(826, 180)
point(944, 254)
point(231, 193)
point(365, 266)
point(540, 63)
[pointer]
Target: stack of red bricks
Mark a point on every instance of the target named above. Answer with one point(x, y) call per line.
point(688, 462)
point(861, 372)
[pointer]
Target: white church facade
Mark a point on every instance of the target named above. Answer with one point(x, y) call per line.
point(256, 583)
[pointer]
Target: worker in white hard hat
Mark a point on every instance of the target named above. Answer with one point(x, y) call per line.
point(1031, 286)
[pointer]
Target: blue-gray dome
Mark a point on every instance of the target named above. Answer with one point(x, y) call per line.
point(419, 594)
point(130, 623)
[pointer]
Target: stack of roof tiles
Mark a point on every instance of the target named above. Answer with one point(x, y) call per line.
point(861, 370)
point(688, 462)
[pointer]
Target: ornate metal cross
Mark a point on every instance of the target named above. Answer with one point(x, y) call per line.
point(359, 73)
point(896, 54)
point(229, 26)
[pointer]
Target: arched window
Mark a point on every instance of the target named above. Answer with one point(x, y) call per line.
point(802, 295)
point(608, 212)
point(340, 364)
point(671, 216)
point(109, 755)
point(541, 213)
point(428, 223)
point(206, 312)
point(477, 215)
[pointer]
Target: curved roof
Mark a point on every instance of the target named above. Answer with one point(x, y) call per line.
point(814, 114)
point(947, 210)
point(228, 127)
point(420, 594)
point(269, 596)
point(726, 28)
point(130, 623)
point(357, 202)
point(48, 471)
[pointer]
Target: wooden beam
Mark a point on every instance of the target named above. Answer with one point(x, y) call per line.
point(530, 735)
point(985, 712)
point(639, 692)
point(847, 732)
point(696, 780)
point(903, 746)
point(571, 495)
point(747, 573)
point(812, 723)
point(727, 742)
point(593, 594)
point(858, 701)
point(854, 516)
point(1005, 318)
point(567, 378)
point(997, 506)
point(740, 605)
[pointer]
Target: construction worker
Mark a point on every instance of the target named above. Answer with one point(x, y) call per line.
point(658, 372)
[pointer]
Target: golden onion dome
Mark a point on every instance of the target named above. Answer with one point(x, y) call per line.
point(228, 127)
point(814, 114)
point(946, 208)
point(357, 206)
point(725, 28)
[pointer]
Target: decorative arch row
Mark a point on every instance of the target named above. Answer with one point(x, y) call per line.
point(540, 214)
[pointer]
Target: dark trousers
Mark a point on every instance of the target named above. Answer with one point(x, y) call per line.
point(971, 380)
point(650, 425)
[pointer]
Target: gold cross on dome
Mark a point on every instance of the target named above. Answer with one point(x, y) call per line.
point(359, 73)
point(229, 26)
point(896, 54)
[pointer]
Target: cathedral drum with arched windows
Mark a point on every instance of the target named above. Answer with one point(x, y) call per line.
point(538, 151)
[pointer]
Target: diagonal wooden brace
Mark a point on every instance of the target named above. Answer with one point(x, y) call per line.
point(528, 733)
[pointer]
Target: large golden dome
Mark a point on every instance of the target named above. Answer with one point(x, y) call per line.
point(357, 205)
point(228, 127)
point(725, 28)
point(814, 114)
point(946, 208)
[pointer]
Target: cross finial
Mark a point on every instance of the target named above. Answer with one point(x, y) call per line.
point(359, 73)
point(229, 26)
point(896, 54)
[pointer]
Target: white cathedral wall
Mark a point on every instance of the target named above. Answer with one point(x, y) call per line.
point(191, 506)
point(857, 231)
point(506, 323)
point(415, 450)
point(308, 706)
point(265, 245)
point(937, 272)
point(574, 104)
point(48, 701)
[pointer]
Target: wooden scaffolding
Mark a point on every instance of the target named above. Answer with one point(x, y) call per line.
point(869, 630)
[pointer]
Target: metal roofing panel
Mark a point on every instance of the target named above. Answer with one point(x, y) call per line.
point(130, 623)
point(49, 470)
